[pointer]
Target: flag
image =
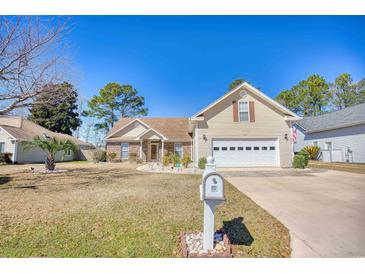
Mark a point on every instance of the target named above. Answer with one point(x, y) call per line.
point(294, 134)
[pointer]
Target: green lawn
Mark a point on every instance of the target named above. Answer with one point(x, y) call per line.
point(116, 211)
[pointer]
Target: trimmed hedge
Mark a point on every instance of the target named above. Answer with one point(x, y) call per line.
point(299, 161)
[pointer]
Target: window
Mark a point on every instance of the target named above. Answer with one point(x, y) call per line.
point(224, 148)
point(243, 111)
point(328, 145)
point(240, 148)
point(125, 151)
point(248, 148)
point(263, 148)
point(178, 149)
point(216, 148)
point(256, 148)
point(68, 152)
point(2, 147)
point(232, 148)
point(272, 148)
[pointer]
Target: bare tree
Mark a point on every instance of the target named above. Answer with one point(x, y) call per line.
point(30, 58)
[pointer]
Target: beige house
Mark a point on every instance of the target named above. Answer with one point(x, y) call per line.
point(242, 128)
point(14, 130)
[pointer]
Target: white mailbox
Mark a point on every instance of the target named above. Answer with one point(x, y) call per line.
point(213, 187)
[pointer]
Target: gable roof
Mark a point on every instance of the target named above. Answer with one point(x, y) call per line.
point(173, 129)
point(350, 116)
point(255, 91)
point(23, 129)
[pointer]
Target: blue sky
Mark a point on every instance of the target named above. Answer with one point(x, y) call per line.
point(182, 63)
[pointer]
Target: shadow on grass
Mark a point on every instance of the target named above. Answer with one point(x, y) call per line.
point(237, 232)
point(4, 180)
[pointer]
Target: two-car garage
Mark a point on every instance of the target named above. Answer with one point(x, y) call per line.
point(245, 152)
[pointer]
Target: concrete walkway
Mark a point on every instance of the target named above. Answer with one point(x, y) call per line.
point(323, 209)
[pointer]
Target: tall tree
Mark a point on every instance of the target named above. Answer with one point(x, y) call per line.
point(309, 97)
point(344, 91)
point(235, 83)
point(30, 58)
point(114, 101)
point(55, 108)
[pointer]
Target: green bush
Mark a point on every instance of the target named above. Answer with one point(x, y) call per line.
point(299, 161)
point(305, 155)
point(202, 162)
point(186, 160)
point(103, 156)
point(175, 159)
point(166, 160)
point(5, 158)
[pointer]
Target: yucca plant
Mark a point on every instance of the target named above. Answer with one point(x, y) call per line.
point(312, 151)
point(50, 145)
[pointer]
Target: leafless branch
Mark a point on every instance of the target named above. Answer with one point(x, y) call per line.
point(30, 57)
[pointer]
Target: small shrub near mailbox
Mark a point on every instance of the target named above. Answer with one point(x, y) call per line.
point(299, 161)
point(202, 162)
point(305, 155)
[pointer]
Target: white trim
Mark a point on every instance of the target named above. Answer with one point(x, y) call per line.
point(196, 152)
point(15, 151)
point(148, 130)
point(8, 133)
point(121, 150)
point(182, 149)
point(248, 110)
point(151, 145)
point(255, 91)
point(131, 122)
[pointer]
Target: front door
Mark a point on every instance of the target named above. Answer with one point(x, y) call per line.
point(154, 150)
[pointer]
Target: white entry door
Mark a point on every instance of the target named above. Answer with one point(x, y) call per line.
point(245, 152)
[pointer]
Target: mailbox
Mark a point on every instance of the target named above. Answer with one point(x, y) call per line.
point(213, 187)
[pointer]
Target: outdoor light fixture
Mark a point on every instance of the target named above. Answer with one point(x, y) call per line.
point(205, 138)
point(286, 136)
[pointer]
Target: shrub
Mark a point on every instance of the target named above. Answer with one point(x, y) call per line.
point(166, 160)
point(186, 160)
point(299, 161)
point(202, 162)
point(103, 156)
point(97, 155)
point(312, 151)
point(133, 157)
point(305, 155)
point(111, 156)
point(5, 158)
point(175, 159)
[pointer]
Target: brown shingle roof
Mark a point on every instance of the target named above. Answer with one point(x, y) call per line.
point(174, 129)
point(24, 129)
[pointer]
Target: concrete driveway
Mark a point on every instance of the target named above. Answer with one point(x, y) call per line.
point(323, 209)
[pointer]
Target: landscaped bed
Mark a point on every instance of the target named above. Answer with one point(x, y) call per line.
point(112, 210)
point(349, 167)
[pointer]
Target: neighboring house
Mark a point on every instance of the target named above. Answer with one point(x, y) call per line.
point(242, 128)
point(14, 130)
point(339, 134)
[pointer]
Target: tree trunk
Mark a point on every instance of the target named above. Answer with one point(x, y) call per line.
point(50, 162)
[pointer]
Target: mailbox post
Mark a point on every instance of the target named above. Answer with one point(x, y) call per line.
point(212, 193)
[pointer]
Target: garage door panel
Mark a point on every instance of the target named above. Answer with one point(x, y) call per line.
point(245, 152)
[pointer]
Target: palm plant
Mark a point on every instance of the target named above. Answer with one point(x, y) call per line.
point(50, 145)
point(312, 151)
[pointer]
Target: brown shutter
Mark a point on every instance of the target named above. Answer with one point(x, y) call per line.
point(252, 111)
point(235, 111)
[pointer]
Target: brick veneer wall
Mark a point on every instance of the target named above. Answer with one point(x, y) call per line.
point(114, 147)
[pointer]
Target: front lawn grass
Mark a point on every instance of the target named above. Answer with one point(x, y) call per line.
point(120, 212)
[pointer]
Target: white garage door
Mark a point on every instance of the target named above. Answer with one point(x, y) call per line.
point(245, 152)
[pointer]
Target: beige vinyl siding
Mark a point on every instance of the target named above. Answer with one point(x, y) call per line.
point(268, 123)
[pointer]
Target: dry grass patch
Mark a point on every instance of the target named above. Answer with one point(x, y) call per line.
point(116, 211)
